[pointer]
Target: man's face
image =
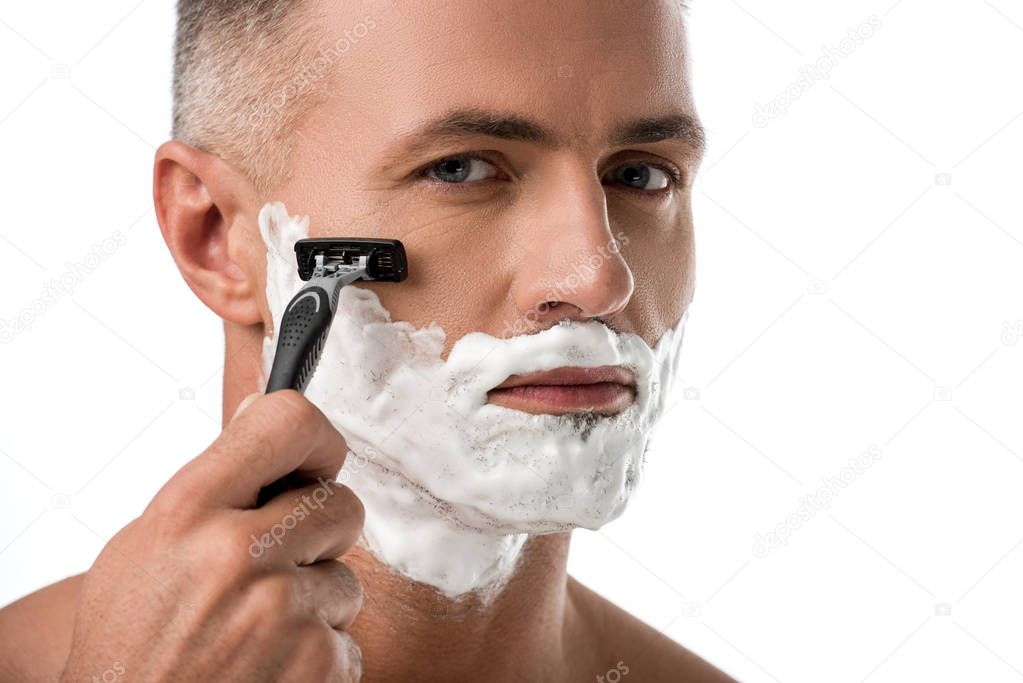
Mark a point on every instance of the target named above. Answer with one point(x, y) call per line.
point(551, 196)
point(498, 227)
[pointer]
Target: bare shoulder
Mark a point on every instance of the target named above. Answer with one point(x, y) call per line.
point(35, 632)
point(623, 647)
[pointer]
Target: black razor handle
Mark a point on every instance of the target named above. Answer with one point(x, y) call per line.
point(304, 329)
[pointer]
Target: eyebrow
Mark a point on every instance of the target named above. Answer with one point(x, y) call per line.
point(461, 123)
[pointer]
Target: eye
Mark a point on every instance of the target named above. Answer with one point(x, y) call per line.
point(461, 169)
point(645, 177)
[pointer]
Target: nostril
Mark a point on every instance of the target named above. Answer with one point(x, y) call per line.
point(554, 309)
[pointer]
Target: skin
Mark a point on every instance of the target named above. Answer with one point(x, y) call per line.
point(485, 254)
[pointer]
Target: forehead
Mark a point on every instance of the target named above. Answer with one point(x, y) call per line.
point(578, 66)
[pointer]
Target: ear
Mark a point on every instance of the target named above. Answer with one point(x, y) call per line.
point(204, 208)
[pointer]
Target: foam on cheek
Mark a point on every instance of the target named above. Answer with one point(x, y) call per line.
point(453, 485)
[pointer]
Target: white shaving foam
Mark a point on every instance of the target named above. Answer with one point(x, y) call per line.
point(453, 485)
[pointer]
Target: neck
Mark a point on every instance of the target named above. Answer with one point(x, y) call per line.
point(410, 631)
point(243, 348)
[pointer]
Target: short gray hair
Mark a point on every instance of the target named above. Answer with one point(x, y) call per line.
point(234, 62)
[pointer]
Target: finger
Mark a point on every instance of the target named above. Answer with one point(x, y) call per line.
point(349, 656)
point(323, 654)
point(333, 591)
point(279, 433)
point(316, 522)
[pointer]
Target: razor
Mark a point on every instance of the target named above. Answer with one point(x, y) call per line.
point(327, 264)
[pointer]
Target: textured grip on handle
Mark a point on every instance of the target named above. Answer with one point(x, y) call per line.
point(304, 329)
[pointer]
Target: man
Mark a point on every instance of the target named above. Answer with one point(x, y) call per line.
point(499, 142)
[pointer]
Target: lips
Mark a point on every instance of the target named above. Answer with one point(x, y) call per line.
point(605, 390)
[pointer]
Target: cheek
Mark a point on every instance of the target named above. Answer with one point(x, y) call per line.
point(458, 277)
point(455, 274)
point(661, 255)
point(250, 257)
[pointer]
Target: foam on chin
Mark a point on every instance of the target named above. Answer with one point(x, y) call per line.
point(453, 485)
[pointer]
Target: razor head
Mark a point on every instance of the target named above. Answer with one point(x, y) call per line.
point(385, 259)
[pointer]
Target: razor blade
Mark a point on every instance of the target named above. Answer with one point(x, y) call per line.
point(384, 259)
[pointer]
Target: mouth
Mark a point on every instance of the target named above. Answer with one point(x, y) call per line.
point(605, 390)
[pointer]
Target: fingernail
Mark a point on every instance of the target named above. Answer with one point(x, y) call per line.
point(245, 404)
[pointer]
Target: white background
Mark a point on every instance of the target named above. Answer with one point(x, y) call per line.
point(859, 285)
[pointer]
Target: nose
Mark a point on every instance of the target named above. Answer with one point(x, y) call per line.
point(571, 266)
